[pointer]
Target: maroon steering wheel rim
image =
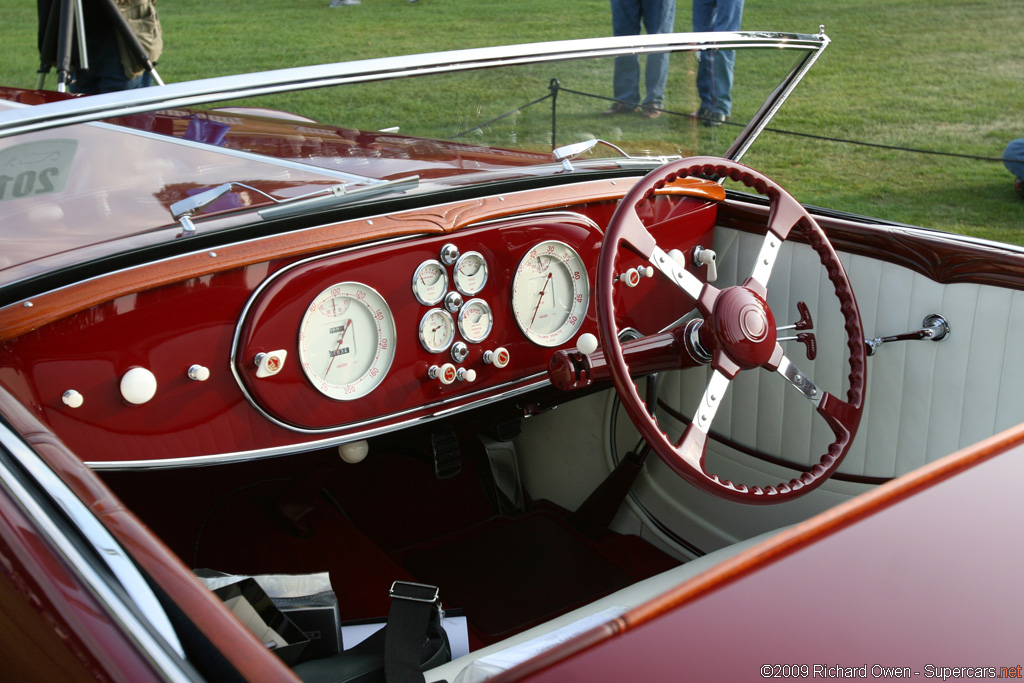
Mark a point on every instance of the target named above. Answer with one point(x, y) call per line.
point(687, 457)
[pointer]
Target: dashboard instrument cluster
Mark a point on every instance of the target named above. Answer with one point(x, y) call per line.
point(411, 324)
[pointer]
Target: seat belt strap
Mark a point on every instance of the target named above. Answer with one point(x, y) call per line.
point(412, 605)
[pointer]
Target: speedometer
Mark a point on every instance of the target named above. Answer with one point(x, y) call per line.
point(550, 293)
point(347, 341)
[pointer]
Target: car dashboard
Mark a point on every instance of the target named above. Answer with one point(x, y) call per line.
point(340, 331)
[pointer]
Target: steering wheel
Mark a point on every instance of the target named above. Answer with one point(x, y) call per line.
point(738, 326)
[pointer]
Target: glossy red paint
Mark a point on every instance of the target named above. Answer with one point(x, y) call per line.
point(158, 329)
point(867, 587)
point(50, 622)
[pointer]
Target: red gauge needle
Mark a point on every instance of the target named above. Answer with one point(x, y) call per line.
point(348, 324)
point(540, 298)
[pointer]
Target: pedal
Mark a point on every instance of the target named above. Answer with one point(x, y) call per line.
point(444, 447)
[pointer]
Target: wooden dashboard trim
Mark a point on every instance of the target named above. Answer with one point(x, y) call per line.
point(24, 316)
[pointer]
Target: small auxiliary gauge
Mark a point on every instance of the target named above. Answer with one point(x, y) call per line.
point(470, 273)
point(429, 282)
point(475, 320)
point(437, 330)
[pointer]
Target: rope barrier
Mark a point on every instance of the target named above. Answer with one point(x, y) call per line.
point(556, 88)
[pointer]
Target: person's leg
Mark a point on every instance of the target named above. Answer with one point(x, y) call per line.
point(626, 22)
point(659, 16)
point(1013, 158)
point(703, 18)
point(728, 16)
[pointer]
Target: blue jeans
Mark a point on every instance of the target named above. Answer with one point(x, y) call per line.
point(658, 16)
point(1013, 157)
point(105, 72)
point(714, 72)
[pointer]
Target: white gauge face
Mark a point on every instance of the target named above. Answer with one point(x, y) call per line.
point(470, 273)
point(437, 330)
point(430, 282)
point(550, 293)
point(475, 320)
point(347, 341)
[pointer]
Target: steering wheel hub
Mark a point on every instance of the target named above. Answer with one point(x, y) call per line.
point(744, 327)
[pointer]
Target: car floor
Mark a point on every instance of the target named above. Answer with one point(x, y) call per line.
point(384, 519)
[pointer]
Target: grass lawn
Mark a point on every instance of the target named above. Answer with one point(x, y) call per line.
point(938, 75)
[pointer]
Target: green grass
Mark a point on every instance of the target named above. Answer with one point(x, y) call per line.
point(938, 75)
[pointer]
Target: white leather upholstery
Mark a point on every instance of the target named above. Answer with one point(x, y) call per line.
point(925, 399)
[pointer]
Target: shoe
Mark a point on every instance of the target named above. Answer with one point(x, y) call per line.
point(709, 118)
point(620, 108)
point(651, 112)
point(1018, 187)
point(339, 3)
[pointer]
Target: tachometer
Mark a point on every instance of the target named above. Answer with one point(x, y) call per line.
point(347, 341)
point(550, 293)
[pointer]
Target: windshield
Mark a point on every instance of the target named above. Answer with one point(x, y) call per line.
point(162, 163)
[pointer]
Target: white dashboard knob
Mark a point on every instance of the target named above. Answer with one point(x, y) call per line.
point(499, 357)
point(465, 375)
point(354, 452)
point(270, 363)
point(586, 344)
point(199, 373)
point(138, 386)
point(72, 399)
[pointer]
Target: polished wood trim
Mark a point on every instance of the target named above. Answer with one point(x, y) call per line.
point(941, 257)
point(237, 644)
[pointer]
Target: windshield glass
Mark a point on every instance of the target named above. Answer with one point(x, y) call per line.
point(158, 164)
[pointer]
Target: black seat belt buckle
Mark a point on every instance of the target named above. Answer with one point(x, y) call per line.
point(417, 592)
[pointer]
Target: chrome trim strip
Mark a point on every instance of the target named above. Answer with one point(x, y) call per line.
point(261, 454)
point(767, 112)
point(155, 637)
point(174, 95)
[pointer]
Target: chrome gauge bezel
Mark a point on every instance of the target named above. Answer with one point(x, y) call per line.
point(470, 285)
point(473, 339)
point(428, 339)
point(421, 292)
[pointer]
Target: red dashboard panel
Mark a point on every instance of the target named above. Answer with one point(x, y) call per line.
point(223, 321)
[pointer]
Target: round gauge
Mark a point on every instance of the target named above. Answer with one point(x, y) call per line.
point(475, 320)
point(470, 273)
point(437, 330)
point(550, 293)
point(347, 341)
point(429, 282)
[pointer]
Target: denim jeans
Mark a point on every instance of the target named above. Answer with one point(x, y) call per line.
point(715, 70)
point(658, 16)
point(1013, 157)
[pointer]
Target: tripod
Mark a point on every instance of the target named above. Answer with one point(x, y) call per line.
point(61, 22)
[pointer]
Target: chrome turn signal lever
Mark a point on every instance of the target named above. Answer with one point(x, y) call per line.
point(934, 328)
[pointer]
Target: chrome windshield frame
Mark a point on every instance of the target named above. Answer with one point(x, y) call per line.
point(25, 119)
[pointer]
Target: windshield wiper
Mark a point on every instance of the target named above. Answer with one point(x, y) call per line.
point(566, 153)
point(334, 195)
